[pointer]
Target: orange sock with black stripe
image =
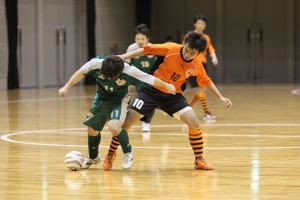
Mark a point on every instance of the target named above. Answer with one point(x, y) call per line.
point(194, 99)
point(203, 101)
point(113, 145)
point(196, 141)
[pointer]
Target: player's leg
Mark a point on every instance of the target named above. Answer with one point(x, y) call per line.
point(111, 155)
point(131, 118)
point(120, 136)
point(139, 106)
point(117, 115)
point(201, 96)
point(94, 138)
point(189, 117)
point(181, 110)
point(147, 121)
point(95, 121)
point(203, 100)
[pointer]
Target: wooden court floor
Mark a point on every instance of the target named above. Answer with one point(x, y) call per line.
point(255, 147)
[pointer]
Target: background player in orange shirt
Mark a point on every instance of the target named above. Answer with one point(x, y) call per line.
point(200, 24)
point(179, 63)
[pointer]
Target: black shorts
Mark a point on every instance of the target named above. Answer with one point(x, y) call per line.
point(149, 98)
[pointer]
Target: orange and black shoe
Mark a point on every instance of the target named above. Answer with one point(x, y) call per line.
point(108, 162)
point(200, 163)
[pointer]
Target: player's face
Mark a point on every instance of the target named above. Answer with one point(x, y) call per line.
point(141, 40)
point(112, 78)
point(200, 26)
point(189, 53)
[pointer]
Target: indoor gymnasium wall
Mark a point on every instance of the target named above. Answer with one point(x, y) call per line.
point(297, 8)
point(3, 47)
point(229, 24)
point(175, 18)
point(115, 23)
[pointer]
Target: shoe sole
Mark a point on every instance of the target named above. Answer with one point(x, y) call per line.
point(127, 168)
point(109, 168)
point(92, 164)
point(203, 168)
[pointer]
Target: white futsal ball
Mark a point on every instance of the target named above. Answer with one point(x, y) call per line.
point(74, 160)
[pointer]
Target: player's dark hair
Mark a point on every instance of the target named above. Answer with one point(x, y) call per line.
point(195, 41)
point(112, 67)
point(142, 29)
point(200, 17)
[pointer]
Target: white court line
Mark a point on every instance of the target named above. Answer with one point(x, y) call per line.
point(168, 134)
point(65, 130)
point(6, 138)
point(174, 125)
point(159, 148)
point(48, 99)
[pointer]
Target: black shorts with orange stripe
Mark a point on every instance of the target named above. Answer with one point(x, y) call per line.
point(149, 98)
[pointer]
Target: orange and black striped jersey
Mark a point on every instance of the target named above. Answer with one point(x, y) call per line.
point(208, 50)
point(174, 69)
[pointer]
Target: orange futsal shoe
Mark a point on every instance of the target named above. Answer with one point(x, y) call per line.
point(108, 162)
point(200, 163)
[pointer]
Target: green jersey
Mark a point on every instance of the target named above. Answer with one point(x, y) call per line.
point(144, 63)
point(115, 90)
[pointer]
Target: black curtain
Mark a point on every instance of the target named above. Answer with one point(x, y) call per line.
point(11, 7)
point(143, 12)
point(91, 20)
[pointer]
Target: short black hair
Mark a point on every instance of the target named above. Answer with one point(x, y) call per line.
point(195, 41)
point(112, 67)
point(200, 17)
point(142, 29)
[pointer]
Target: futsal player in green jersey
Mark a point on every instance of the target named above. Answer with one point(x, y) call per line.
point(113, 76)
point(144, 63)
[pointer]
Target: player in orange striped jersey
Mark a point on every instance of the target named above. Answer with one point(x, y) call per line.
point(179, 63)
point(200, 24)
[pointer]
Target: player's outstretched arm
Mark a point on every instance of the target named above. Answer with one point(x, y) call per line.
point(75, 78)
point(132, 54)
point(170, 87)
point(214, 58)
point(213, 89)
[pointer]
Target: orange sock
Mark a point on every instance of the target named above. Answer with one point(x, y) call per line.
point(203, 100)
point(113, 145)
point(196, 141)
point(194, 99)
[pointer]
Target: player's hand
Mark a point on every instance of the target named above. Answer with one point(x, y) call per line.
point(63, 91)
point(227, 102)
point(171, 89)
point(214, 61)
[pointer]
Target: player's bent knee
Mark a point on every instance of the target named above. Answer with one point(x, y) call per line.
point(114, 127)
point(92, 132)
point(192, 122)
point(115, 130)
point(193, 126)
